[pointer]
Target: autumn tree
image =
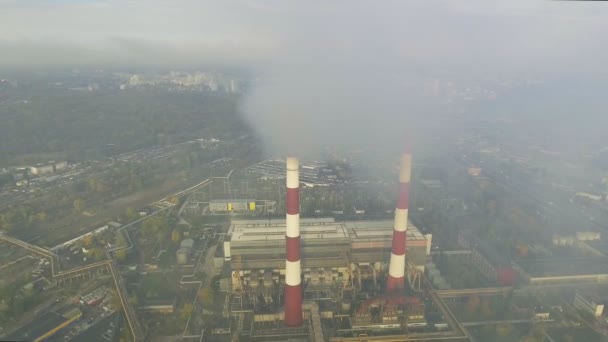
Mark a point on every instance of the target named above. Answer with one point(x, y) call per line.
point(503, 329)
point(186, 311)
point(87, 241)
point(205, 296)
point(176, 236)
point(472, 304)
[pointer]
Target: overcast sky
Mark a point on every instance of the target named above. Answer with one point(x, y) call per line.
point(451, 32)
point(332, 70)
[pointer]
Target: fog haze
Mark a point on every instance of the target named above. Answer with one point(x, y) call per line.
point(341, 72)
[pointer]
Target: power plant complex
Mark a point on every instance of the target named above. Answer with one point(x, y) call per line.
point(294, 279)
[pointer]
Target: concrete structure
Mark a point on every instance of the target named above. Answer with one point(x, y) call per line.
point(564, 270)
point(588, 303)
point(293, 273)
point(588, 236)
point(396, 273)
point(163, 305)
point(588, 196)
point(474, 171)
point(95, 297)
point(541, 313)
point(59, 166)
point(51, 167)
point(41, 170)
point(563, 240)
point(232, 205)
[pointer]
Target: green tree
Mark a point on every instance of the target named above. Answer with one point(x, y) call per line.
point(97, 253)
point(41, 216)
point(485, 309)
point(115, 302)
point(131, 214)
point(79, 204)
point(120, 255)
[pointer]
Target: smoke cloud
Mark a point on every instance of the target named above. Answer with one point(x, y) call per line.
point(351, 74)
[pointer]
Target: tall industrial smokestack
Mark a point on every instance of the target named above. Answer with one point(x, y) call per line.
point(396, 270)
point(293, 285)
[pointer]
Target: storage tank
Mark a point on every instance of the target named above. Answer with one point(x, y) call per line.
point(345, 306)
point(182, 255)
point(187, 243)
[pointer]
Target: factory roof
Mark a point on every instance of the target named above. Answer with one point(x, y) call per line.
point(380, 229)
point(565, 266)
point(238, 200)
point(256, 230)
point(317, 228)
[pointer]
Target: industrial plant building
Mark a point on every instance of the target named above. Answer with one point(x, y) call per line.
point(339, 260)
point(588, 303)
point(333, 253)
point(318, 278)
point(566, 270)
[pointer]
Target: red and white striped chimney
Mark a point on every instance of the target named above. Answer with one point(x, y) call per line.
point(293, 285)
point(396, 270)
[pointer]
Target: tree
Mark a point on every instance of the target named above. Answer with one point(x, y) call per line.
point(472, 304)
point(87, 241)
point(485, 309)
point(41, 216)
point(131, 214)
point(205, 296)
point(186, 311)
point(532, 339)
point(115, 302)
point(79, 204)
point(504, 329)
point(97, 253)
point(120, 255)
point(176, 236)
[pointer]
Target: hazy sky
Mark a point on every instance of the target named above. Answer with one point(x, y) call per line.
point(335, 71)
point(482, 32)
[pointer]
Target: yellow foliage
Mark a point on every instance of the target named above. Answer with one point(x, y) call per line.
point(205, 296)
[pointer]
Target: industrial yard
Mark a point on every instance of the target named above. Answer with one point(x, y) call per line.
point(255, 255)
